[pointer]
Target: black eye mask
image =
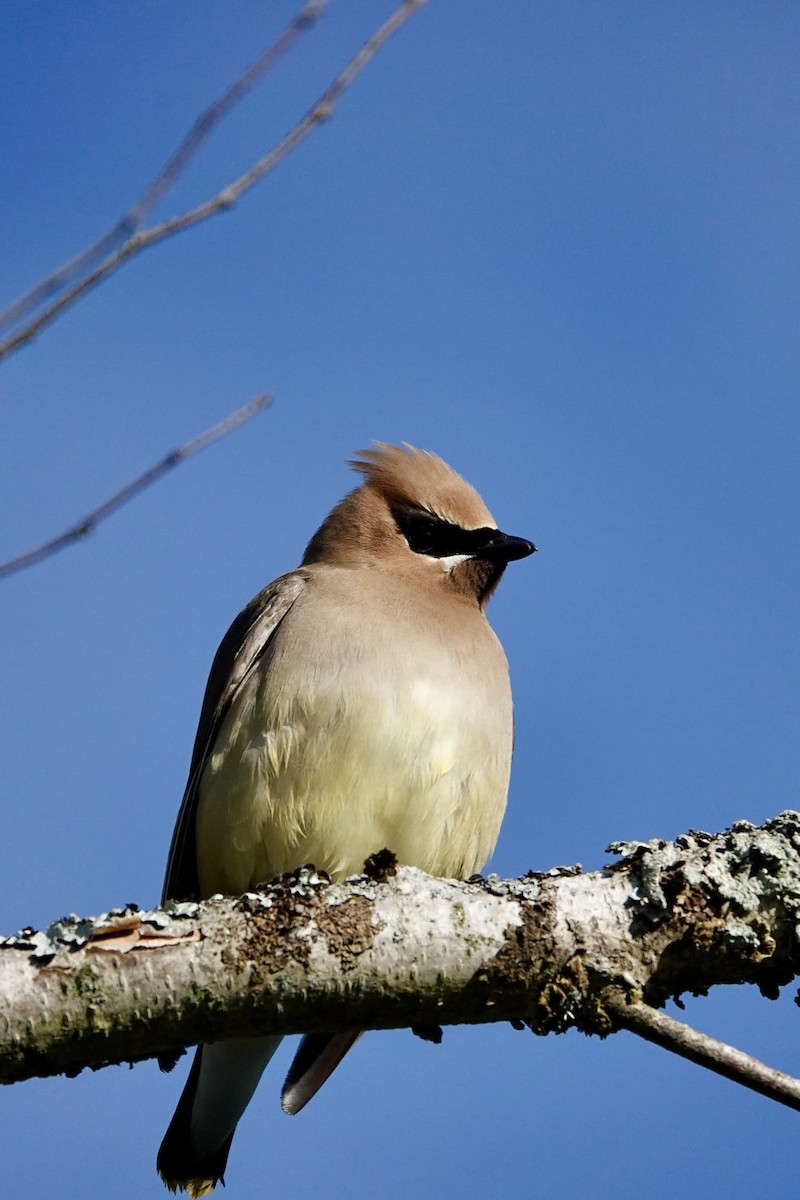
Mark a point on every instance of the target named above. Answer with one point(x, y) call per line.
point(430, 535)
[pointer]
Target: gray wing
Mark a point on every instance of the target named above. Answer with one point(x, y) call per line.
point(240, 650)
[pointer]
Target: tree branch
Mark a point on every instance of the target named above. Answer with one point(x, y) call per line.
point(706, 1051)
point(88, 523)
point(169, 173)
point(597, 952)
point(140, 240)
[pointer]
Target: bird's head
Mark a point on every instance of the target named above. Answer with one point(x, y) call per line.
point(415, 515)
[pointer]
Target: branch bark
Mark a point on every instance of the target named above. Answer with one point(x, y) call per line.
point(597, 952)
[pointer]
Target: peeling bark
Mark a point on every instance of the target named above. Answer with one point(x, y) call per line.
point(555, 950)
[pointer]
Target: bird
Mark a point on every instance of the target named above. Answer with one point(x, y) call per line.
point(358, 703)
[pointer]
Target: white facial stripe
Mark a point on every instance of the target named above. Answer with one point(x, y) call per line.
point(453, 561)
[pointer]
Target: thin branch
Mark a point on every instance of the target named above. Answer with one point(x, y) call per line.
point(169, 173)
point(706, 1051)
point(320, 111)
point(85, 526)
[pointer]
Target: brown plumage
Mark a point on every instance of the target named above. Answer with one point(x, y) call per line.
point(359, 703)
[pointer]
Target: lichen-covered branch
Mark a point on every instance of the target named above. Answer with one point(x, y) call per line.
point(399, 948)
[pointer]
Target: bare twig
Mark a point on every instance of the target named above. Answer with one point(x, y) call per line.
point(164, 180)
point(320, 111)
point(84, 527)
point(706, 1051)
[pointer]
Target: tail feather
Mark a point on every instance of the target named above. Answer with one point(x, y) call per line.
point(222, 1080)
point(318, 1055)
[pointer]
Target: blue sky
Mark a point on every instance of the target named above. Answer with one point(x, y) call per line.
point(555, 243)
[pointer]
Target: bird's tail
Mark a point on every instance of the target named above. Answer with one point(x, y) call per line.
point(318, 1055)
point(222, 1080)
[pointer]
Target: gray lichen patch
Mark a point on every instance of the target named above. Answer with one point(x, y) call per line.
point(717, 899)
point(745, 865)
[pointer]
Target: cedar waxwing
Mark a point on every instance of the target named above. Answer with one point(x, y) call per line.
point(358, 703)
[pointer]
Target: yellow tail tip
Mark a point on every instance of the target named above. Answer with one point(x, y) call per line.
point(192, 1187)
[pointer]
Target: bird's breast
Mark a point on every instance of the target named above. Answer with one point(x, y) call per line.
point(337, 748)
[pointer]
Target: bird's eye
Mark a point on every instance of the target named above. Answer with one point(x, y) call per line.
point(422, 531)
point(423, 537)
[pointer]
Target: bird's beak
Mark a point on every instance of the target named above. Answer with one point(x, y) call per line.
point(502, 547)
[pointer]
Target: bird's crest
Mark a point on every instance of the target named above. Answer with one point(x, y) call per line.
point(416, 477)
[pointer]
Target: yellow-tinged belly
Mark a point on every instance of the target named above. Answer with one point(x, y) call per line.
point(331, 772)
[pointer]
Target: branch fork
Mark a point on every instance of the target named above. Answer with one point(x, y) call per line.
point(598, 952)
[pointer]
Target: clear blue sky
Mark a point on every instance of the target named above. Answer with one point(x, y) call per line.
point(558, 244)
